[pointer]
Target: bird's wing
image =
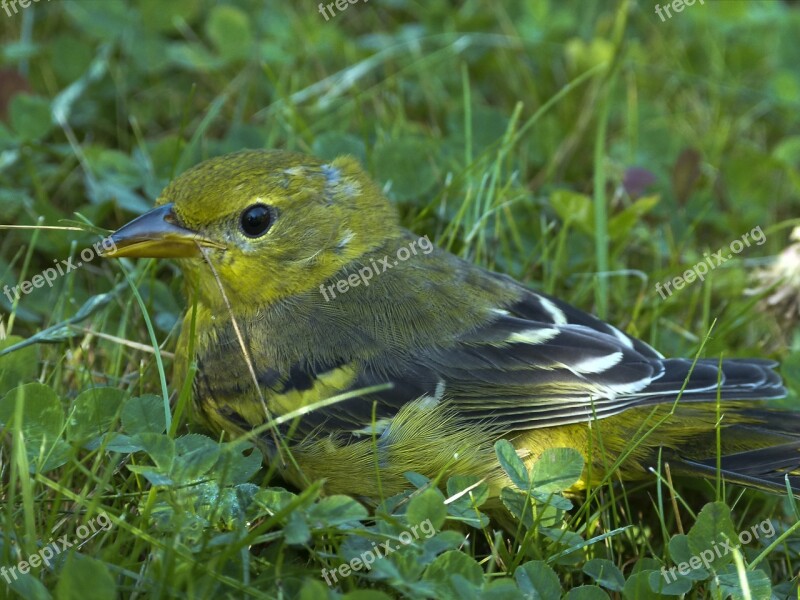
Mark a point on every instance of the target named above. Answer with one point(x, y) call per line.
point(541, 363)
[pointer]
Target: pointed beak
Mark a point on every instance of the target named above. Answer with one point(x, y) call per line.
point(156, 234)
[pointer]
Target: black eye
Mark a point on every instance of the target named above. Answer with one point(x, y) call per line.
point(256, 220)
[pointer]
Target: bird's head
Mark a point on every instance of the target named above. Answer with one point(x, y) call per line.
point(273, 224)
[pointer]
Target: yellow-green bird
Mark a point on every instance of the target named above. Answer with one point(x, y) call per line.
point(307, 288)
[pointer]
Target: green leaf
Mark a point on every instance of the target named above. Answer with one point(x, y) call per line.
point(551, 499)
point(118, 442)
point(681, 555)
point(237, 463)
point(709, 535)
point(605, 573)
point(274, 500)
point(77, 572)
point(101, 191)
point(518, 504)
point(51, 457)
point(160, 448)
point(229, 505)
point(537, 580)
point(364, 595)
point(68, 98)
point(93, 413)
point(452, 563)
point(427, 506)
point(17, 367)
point(335, 510)
point(569, 543)
point(405, 164)
point(512, 464)
point(788, 151)
point(557, 469)
point(111, 164)
point(152, 475)
point(228, 28)
point(30, 116)
point(62, 331)
point(417, 480)
point(193, 56)
point(669, 582)
point(144, 414)
point(646, 564)
point(500, 588)
point(586, 592)
point(107, 20)
point(195, 456)
point(620, 224)
point(30, 588)
point(436, 543)
point(477, 496)
point(313, 589)
point(679, 548)
point(70, 56)
point(786, 87)
point(465, 507)
point(12, 202)
point(332, 144)
point(488, 127)
point(584, 55)
point(730, 584)
point(461, 589)
point(35, 410)
point(41, 412)
point(637, 587)
point(573, 207)
point(296, 530)
point(162, 16)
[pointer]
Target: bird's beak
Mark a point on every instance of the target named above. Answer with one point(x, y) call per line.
point(156, 234)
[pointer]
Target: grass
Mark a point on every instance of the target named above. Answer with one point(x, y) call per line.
point(507, 133)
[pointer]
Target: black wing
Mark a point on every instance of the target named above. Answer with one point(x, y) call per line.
point(539, 362)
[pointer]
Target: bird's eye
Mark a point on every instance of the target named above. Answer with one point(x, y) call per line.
point(256, 220)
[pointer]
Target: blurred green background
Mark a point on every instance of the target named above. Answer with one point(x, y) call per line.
point(588, 148)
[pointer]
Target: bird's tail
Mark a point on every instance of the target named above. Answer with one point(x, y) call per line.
point(761, 451)
point(759, 446)
point(703, 381)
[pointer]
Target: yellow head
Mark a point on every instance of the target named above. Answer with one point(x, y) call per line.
point(273, 223)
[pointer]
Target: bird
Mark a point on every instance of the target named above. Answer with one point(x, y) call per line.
point(358, 351)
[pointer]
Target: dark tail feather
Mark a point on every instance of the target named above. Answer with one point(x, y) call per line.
point(768, 476)
point(774, 459)
point(741, 379)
